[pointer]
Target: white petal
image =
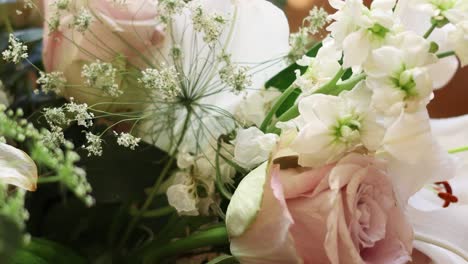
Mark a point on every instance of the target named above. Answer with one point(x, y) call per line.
point(356, 48)
point(446, 227)
point(17, 168)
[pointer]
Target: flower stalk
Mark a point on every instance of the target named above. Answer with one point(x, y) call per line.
point(216, 236)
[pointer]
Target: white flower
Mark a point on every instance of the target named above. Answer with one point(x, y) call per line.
point(453, 10)
point(94, 144)
point(320, 69)
point(17, 168)
point(360, 29)
point(334, 125)
point(255, 35)
point(398, 76)
point(459, 40)
point(182, 195)
point(254, 107)
point(52, 82)
point(164, 82)
point(411, 18)
point(82, 20)
point(127, 140)
point(16, 50)
point(102, 76)
point(253, 147)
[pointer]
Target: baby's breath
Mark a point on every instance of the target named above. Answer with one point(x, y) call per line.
point(164, 82)
point(127, 140)
point(16, 50)
point(168, 8)
point(94, 144)
point(210, 24)
point(82, 20)
point(102, 76)
point(80, 113)
point(61, 4)
point(52, 82)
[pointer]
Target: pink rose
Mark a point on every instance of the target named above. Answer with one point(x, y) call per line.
point(129, 31)
point(341, 213)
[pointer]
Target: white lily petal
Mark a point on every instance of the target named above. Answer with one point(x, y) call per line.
point(17, 168)
point(445, 228)
point(436, 254)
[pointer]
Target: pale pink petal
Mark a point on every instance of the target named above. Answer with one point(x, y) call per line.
point(267, 239)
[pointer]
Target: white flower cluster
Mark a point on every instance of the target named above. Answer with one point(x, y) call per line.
point(52, 82)
point(102, 76)
point(234, 76)
point(127, 140)
point(169, 8)
point(82, 20)
point(80, 113)
point(210, 24)
point(16, 50)
point(94, 144)
point(164, 82)
point(367, 88)
point(311, 25)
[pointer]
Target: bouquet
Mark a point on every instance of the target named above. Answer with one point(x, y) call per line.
point(176, 131)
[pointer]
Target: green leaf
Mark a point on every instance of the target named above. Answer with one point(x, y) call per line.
point(43, 251)
point(286, 77)
point(225, 259)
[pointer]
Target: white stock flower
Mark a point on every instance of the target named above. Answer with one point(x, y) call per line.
point(454, 11)
point(411, 18)
point(459, 40)
point(398, 76)
point(320, 69)
point(254, 107)
point(182, 195)
point(17, 168)
point(360, 29)
point(253, 147)
point(334, 125)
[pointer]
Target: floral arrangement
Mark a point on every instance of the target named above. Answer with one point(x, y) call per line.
point(172, 131)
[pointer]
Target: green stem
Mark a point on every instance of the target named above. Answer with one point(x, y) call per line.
point(445, 54)
point(216, 236)
point(157, 184)
point(326, 89)
point(458, 150)
point(50, 179)
point(219, 182)
point(430, 30)
point(276, 106)
point(158, 212)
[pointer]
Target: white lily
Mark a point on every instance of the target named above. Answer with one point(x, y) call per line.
point(17, 168)
point(441, 233)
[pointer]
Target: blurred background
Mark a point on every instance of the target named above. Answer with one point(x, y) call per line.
point(449, 101)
